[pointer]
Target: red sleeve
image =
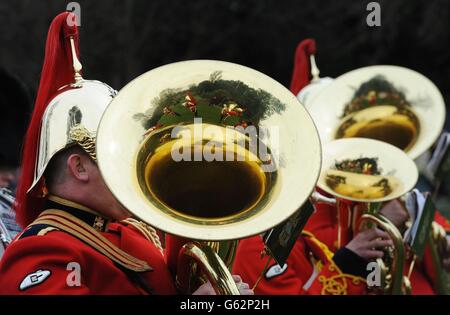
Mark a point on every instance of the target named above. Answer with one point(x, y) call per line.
point(298, 276)
point(249, 264)
point(38, 265)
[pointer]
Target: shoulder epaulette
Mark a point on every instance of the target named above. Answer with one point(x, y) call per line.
point(69, 224)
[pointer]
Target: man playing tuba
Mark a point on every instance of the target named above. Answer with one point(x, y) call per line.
point(74, 242)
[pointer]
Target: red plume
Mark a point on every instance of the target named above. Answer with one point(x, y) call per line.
point(57, 71)
point(301, 74)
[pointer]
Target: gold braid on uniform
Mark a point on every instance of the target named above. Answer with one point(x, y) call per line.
point(80, 135)
point(335, 284)
point(146, 230)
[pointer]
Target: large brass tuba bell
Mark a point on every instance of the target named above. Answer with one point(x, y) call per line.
point(387, 103)
point(210, 180)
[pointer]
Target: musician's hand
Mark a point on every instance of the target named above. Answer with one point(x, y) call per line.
point(243, 287)
point(395, 212)
point(368, 243)
point(207, 289)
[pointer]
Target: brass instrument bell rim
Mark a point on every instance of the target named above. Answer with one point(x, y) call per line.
point(327, 107)
point(390, 158)
point(119, 136)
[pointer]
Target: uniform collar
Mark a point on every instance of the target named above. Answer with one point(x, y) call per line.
point(87, 215)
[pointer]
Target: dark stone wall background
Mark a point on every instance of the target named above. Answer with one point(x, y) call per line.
point(122, 39)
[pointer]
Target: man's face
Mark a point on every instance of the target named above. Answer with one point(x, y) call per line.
point(101, 198)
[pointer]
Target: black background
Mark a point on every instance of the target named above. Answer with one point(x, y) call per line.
point(121, 39)
point(277, 304)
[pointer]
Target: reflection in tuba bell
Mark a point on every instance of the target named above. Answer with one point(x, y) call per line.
point(387, 103)
point(209, 151)
point(379, 111)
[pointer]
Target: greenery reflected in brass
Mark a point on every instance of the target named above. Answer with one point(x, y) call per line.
point(360, 179)
point(379, 111)
point(399, 127)
point(207, 100)
point(361, 186)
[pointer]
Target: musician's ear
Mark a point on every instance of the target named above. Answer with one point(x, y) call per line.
point(64, 165)
point(77, 166)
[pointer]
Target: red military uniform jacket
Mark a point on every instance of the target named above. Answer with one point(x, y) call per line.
point(332, 228)
point(73, 250)
point(309, 269)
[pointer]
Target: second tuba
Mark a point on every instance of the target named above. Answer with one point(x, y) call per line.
point(387, 103)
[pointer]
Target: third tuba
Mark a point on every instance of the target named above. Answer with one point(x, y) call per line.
point(362, 174)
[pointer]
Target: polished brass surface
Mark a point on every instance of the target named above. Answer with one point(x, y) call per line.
point(366, 170)
point(211, 190)
point(212, 193)
point(86, 140)
point(368, 173)
point(399, 127)
point(209, 201)
point(125, 146)
point(331, 105)
point(199, 257)
point(361, 186)
point(76, 64)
